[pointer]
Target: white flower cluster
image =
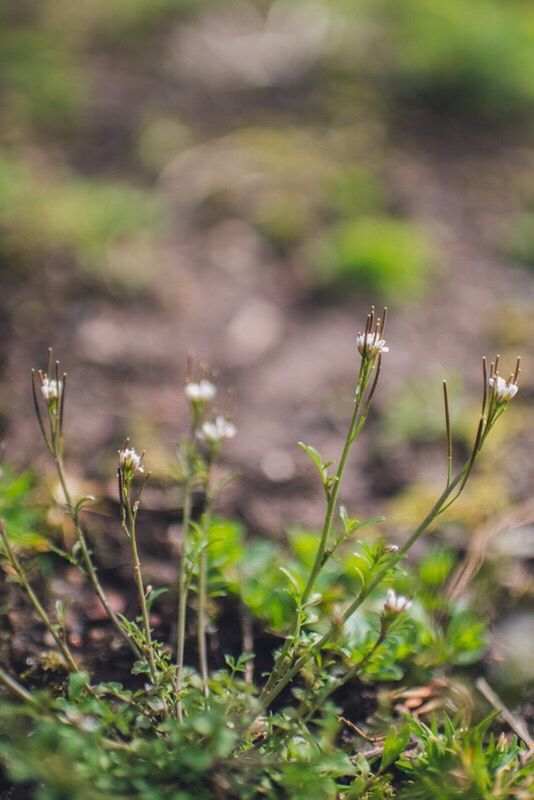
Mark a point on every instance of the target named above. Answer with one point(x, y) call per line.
point(51, 389)
point(371, 345)
point(504, 390)
point(214, 432)
point(201, 392)
point(396, 603)
point(130, 461)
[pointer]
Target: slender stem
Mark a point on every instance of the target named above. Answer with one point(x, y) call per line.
point(21, 692)
point(87, 560)
point(267, 698)
point(448, 431)
point(331, 507)
point(444, 501)
point(355, 426)
point(201, 627)
point(15, 687)
point(351, 673)
point(129, 527)
point(183, 590)
point(203, 580)
point(36, 603)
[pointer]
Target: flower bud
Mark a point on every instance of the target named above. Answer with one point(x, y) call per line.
point(503, 390)
point(396, 603)
point(371, 345)
point(130, 462)
point(214, 432)
point(201, 392)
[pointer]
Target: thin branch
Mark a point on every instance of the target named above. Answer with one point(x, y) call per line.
point(516, 723)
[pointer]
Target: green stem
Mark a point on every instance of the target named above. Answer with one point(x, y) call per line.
point(16, 688)
point(267, 698)
point(355, 427)
point(23, 694)
point(331, 508)
point(201, 632)
point(351, 673)
point(183, 590)
point(129, 527)
point(40, 611)
point(203, 581)
point(90, 571)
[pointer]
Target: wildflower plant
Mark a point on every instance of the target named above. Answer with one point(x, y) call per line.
point(195, 732)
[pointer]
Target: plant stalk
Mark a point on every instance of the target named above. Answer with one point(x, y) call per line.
point(36, 603)
point(355, 426)
point(183, 590)
point(90, 570)
point(267, 698)
point(129, 528)
point(203, 580)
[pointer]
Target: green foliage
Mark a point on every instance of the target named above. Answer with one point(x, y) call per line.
point(47, 213)
point(18, 507)
point(478, 766)
point(45, 87)
point(518, 241)
point(476, 56)
point(378, 254)
point(334, 601)
point(414, 416)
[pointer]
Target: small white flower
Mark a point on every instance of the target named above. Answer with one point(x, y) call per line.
point(130, 461)
point(216, 431)
point(371, 345)
point(391, 548)
point(202, 392)
point(51, 389)
point(504, 390)
point(396, 603)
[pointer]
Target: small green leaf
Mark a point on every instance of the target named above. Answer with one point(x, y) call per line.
point(394, 743)
point(364, 522)
point(293, 581)
point(315, 457)
point(77, 683)
point(154, 594)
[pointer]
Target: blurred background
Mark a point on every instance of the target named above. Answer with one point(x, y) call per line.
point(237, 181)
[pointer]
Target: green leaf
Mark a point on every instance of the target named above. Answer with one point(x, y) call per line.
point(77, 683)
point(293, 581)
point(394, 744)
point(315, 458)
point(84, 501)
point(350, 525)
point(154, 594)
point(364, 522)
